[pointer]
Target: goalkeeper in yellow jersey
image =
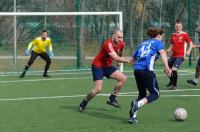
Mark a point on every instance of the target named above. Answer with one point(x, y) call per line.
point(38, 48)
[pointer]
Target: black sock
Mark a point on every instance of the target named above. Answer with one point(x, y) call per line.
point(171, 79)
point(174, 77)
point(112, 97)
point(83, 103)
point(25, 68)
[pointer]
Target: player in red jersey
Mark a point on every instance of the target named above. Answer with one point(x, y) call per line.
point(111, 50)
point(178, 40)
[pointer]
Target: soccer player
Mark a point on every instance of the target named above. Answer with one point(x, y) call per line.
point(102, 66)
point(178, 40)
point(143, 62)
point(197, 72)
point(38, 47)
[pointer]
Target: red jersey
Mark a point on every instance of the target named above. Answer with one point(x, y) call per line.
point(178, 41)
point(103, 58)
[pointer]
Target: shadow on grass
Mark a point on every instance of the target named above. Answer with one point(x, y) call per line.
point(101, 113)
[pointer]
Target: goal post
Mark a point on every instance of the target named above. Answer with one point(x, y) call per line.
point(16, 25)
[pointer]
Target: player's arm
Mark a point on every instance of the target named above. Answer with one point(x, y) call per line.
point(196, 46)
point(117, 58)
point(50, 49)
point(169, 49)
point(30, 45)
point(165, 62)
point(190, 48)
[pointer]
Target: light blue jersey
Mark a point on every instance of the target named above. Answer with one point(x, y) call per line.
point(147, 53)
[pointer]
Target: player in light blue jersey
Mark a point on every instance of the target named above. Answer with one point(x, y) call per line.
point(143, 62)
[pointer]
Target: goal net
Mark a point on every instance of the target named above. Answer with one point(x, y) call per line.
point(76, 37)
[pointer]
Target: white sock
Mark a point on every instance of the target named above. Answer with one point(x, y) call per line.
point(195, 80)
point(135, 115)
point(140, 103)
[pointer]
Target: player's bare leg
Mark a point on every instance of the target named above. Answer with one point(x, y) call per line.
point(121, 79)
point(196, 77)
point(197, 73)
point(97, 88)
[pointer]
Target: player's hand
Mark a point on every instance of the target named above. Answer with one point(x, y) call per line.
point(117, 64)
point(27, 52)
point(51, 54)
point(129, 61)
point(168, 72)
point(188, 53)
point(167, 51)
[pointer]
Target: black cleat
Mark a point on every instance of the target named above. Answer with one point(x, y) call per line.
point(113, 103)
point(133, 110)
point(132, 120)
point(169, 84)
point(192, 82)
point(22, 75)
point(82, 108)
point(173, 88)
point(46, 75)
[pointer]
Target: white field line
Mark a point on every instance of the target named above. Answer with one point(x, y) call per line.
point(164, 91)
point(66, 72)
point(178, 95)
point(105, 94)
point(80, 78)
point(49, 79)
point(61, 72)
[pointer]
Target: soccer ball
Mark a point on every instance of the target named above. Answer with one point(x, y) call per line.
point(180, 114)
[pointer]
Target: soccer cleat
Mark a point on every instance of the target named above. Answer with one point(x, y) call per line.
point(132, 120)
point(173, 88)
point(22, 75)
point(192, 82)
point(113, 103)
point(46, 75)
point(132, 112)
point(169, 84)
point(82, 108)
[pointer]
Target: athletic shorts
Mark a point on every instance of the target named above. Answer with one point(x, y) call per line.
point(198, 62)
point(99, 73)
point(175, 62)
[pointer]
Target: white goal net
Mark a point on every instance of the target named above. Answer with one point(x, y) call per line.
point(76, 37)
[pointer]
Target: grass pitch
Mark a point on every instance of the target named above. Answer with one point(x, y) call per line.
point(37, 104)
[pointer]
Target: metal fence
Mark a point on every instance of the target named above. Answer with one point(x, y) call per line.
point(138, 15)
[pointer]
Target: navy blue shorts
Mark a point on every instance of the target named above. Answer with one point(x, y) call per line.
point(99, 73)
point(198, 62)
point(175, 62)
point(146, 80)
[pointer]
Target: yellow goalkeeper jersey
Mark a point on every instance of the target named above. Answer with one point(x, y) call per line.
point(40, 46)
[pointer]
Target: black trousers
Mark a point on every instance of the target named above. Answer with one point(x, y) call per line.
point(43, 55)
point(146, 80)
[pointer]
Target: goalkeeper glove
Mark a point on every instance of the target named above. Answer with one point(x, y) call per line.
point(27, 52)
point(51, 54)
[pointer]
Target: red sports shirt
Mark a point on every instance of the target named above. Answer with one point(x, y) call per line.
point(178, 40)
point(103, 58)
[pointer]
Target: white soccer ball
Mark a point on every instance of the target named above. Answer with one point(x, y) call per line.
point(180, 114)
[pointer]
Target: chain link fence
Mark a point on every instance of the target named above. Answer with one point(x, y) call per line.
point(138, 15)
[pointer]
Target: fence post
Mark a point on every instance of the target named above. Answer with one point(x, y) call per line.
point(190, 26)
point(78, 17)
